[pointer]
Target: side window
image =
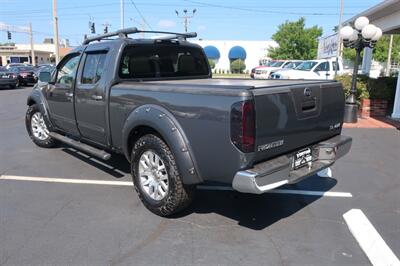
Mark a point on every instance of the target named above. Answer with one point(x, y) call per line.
point(334, 65)
point(93, 68)
point(66, 73)
point(322, 67)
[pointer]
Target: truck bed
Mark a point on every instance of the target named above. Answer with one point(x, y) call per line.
point(286, 119)
point(220, 86)
point(238, 83)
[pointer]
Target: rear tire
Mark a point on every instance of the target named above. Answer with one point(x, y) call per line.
point(37, 128)
point(161, 191)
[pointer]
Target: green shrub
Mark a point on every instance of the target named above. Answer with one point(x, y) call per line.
point(211, 63)
point(368, 88)
point(362, 92)
point(238, 66)
point(382, 88)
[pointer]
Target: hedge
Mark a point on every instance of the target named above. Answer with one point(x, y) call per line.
point(383, 88)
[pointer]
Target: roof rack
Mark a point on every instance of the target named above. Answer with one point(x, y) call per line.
point(123, 33)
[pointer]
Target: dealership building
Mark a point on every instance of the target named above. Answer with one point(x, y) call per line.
point(224, 52)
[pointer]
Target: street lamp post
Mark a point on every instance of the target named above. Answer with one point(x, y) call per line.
point(363, 35)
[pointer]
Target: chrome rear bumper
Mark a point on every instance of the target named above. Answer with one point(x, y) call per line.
point(279, 171)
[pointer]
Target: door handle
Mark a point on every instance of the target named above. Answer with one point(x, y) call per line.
point(97, 97)
point(69, 94)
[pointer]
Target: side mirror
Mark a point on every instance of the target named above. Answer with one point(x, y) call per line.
point(44, 76)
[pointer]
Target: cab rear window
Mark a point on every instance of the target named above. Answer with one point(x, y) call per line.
point(162, 60)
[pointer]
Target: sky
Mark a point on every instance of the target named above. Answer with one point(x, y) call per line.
point(213, 19)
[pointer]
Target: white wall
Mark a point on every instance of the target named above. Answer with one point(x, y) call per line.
point(255, 50)
point(37, 46)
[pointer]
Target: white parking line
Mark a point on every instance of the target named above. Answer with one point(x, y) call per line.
point(369, 239)
point(288, 191)
point(129, 183)
point(66, 180)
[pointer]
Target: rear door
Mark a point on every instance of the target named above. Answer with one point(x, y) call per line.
point(60, 94)
point(90, 98)
point(293, 117)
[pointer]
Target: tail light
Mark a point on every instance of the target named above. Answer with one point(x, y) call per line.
point(243, 125)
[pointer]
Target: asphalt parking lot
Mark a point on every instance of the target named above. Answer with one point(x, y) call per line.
point(59, 223)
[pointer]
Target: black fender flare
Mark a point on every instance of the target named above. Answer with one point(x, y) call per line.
point(167, 126)
point(37, 97)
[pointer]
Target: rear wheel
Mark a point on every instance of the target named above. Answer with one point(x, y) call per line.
point(156, 177)
point(37, 128)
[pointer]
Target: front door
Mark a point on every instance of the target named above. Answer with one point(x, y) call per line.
point(60, 95)
point(90, 98)
point(323, 70)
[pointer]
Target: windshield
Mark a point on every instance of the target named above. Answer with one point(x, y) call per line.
point(277, 64)
point(162, 60)
point(292, 65)
point(306, 66)
point(25, 68)
point(269, 63)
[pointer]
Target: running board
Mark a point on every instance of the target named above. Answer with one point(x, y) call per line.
point(81, 146)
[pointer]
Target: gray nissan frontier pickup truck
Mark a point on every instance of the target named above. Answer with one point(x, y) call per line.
point(155, 101)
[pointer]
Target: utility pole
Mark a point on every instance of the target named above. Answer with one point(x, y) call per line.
point(389, 57)
point(33, 60)
point(122, 14)
point(143, 27)
point(339, 41)
point(55, 24)
point(186, 17)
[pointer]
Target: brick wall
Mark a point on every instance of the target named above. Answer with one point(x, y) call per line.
point(373, 107)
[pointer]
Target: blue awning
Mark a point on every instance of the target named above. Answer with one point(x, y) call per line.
point(212, 52)
point(237, 52)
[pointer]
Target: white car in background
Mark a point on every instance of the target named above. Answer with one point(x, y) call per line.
point(312, 69)
point(265, 72)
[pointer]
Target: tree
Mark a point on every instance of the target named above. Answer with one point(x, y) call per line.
point(382, 48)
point(238, 66)
point(295, 41)
point(380, 51)
point(211, 63)
point(7, 44)
point(350, 54)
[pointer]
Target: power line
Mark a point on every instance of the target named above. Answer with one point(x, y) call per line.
point(40, 13)
point(31, 11)
point(263, 11)
point(140, 14)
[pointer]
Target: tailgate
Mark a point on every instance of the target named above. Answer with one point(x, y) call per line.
point(292, 117)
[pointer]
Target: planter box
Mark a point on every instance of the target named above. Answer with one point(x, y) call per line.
point(373, 107)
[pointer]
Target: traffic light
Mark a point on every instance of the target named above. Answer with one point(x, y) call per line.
point(106, 29)
point(8, 35)
point(92, 28)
